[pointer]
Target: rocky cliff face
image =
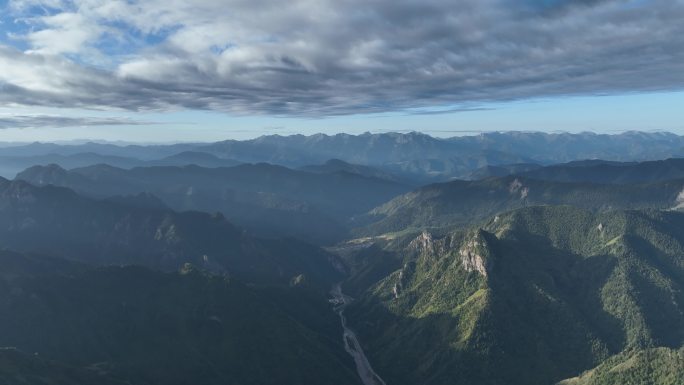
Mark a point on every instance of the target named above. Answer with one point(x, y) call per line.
point(423, 244)
point(471, 250)
point(473, 253)
point(472, 261)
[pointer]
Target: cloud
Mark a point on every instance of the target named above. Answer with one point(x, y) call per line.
point(52, 121)
point(332, 57)
point(447, 111)
point(65, 32)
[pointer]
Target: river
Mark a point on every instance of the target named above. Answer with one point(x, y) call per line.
point(351, 342)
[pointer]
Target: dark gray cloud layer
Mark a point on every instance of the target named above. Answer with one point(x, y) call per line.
point(321, 58)
point(51, 121)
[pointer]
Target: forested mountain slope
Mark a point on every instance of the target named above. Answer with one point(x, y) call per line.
point(74, 324)
point(467, 202)
point(532, 296)
point(58, 222)
point(266, 199)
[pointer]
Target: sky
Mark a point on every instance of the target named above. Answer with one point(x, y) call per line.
point(204, 70)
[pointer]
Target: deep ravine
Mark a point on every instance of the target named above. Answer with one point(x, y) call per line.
point(351, 342)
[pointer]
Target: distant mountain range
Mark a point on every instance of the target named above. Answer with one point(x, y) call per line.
point(413, 156)
point(142, 152)
point(393, 148)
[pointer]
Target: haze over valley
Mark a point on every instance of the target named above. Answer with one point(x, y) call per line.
point(317, 192)
point(440, 273)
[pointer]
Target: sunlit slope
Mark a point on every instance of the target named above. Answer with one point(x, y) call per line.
point(533, 296)
point(467, 202)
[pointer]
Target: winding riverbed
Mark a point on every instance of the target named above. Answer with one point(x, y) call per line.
point(351, 343)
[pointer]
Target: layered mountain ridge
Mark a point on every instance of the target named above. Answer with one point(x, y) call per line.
point(531, 297)
point(56, 221)
point(412, 156)
point(165, 267)
point(269, 200)
point(463, 202)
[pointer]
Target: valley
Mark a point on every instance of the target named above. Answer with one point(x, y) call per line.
point(568, 273)
point(326, 192)
point(351, 342)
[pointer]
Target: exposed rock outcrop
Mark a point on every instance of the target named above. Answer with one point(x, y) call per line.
point(424, 243)
point(471, 254)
